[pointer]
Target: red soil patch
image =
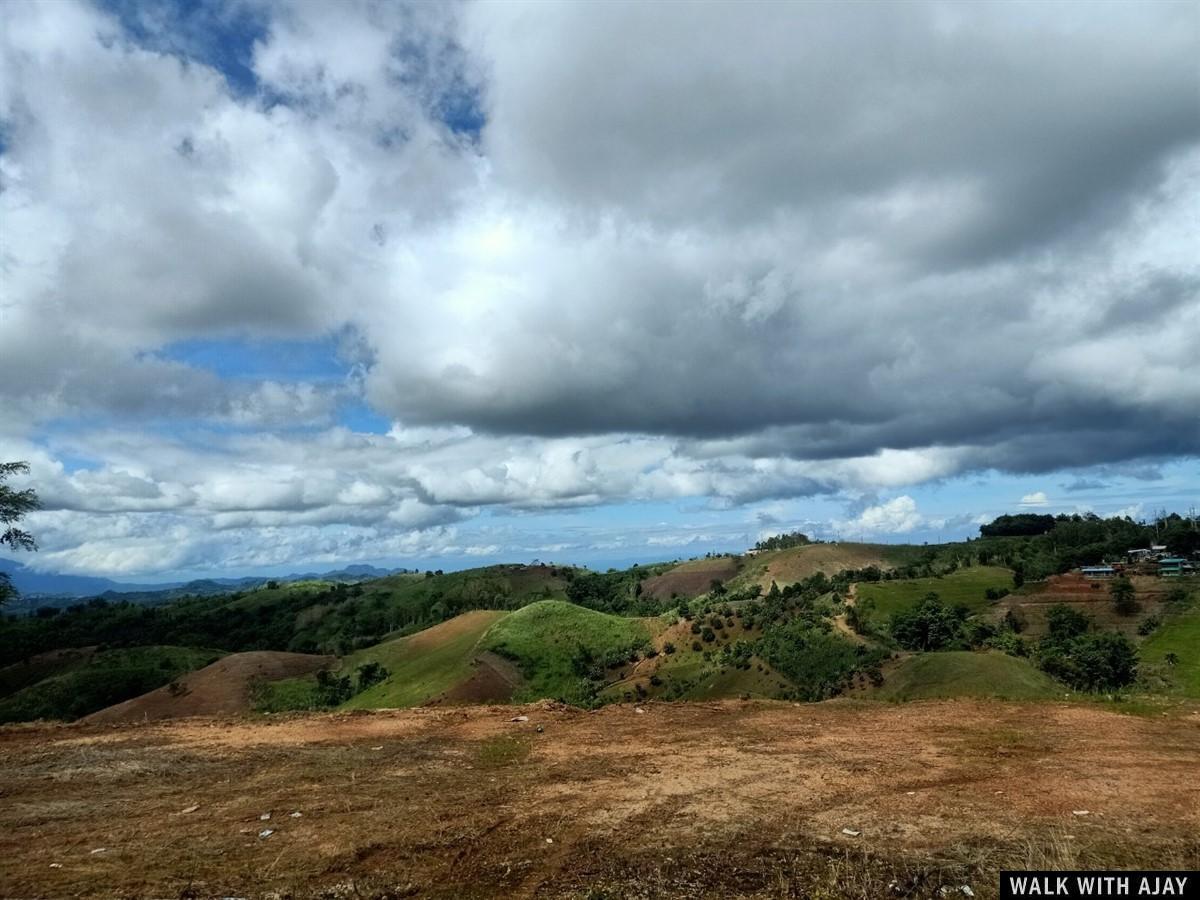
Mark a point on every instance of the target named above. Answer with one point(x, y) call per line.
point(220, 689)
point(493, 681)
point(690, 579)
point(1088, 595)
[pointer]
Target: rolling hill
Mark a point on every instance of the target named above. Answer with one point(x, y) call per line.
point(224, 688)
point(68, 685)
point(928, 676)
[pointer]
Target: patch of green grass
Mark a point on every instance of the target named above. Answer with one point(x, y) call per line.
point(422, 665)
point(108, 677)
point(286, 695)
point(965, 586)
point(502, 750)
point(1179, 634)
point(965, 674)
point(548, 639)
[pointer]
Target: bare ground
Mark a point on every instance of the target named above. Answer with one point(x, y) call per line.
point(223, 688)
point(679, 800)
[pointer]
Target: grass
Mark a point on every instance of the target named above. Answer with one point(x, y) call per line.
point(1179, 633)
point(423, 665)
point(103, 679)
point(964, 674)
point(965, 586)
point(545, 640)
point(502, 750)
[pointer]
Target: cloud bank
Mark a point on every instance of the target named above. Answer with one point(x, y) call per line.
point(585, 254)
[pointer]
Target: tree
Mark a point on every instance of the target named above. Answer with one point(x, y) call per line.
point(14, 505)
point(1124, 601)
point(930, 625)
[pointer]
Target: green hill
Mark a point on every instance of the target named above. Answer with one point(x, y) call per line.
point(89, 682)
point(560, 648)
point(423, 665)
point(964, 674)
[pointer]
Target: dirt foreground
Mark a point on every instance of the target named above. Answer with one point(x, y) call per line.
point(840, 799)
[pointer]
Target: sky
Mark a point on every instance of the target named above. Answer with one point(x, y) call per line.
point(291, 285)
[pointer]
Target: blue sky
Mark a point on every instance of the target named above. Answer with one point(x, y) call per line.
point(291, 286)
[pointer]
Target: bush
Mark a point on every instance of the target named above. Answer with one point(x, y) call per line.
point(930, 625)
point(668, 648)
point(1096, 661)
point(1123, 597)
point(708, 635)
point(1008, 642)
point(1149, 625)
point(370, 674)
point(697, 646)
point(1064, 623)
point(331, 690)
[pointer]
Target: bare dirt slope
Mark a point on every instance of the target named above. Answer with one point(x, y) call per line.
point(220, 689)
point(1089, 596)
point(677, 800)
point(786, 567)
point(690, 579)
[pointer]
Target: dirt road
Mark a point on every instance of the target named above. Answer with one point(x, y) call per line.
point(680, 800)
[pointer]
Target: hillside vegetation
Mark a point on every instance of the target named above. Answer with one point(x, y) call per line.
point(795, 620)
point(89, 682)
point(964, 674)
point(564, 651)
point(967, 587)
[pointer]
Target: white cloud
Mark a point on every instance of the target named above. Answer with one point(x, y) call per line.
point(721, 252)
point(1037, 498)
point(897, 516)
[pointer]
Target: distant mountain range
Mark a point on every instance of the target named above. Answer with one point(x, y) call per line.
point(52, 589)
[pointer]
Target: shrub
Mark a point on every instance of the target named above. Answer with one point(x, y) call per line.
point(1148, 625)
point(930, 625)
point(697, 646)
point(1123, 597)
point(370, 674)
point(1095, 661)
point(668, 648)
point(708, 635)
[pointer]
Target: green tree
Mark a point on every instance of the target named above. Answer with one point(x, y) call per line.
point(14, 505)
point(1124, 600)
point(930, 625)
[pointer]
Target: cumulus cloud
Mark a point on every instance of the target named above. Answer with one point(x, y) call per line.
point(596, 253)
point(1037, 498)
point(897, 516)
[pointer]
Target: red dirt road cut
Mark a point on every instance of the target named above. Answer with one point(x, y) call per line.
point(840, 799)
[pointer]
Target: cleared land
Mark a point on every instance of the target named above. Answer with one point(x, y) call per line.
point(1090, 596)
point(786, 567)
point(691, 579)
point(224, 687)
point(681, 800)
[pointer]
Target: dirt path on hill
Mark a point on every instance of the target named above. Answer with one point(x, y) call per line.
point(680, 800)
point(839, 621)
